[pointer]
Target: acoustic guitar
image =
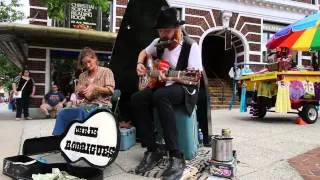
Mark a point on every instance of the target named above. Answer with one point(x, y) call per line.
point(155, 67)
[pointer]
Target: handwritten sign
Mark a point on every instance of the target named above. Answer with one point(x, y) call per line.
point(94, 140)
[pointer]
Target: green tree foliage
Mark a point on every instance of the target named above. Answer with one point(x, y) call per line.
point(8, 71)
point(9, 13)
point(56, 7)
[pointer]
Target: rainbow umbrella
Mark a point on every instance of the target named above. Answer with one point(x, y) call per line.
point(303, 35)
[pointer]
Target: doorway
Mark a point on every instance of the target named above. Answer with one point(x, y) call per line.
point(216, 60)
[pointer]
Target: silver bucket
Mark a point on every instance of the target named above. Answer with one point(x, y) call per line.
point(221, 148)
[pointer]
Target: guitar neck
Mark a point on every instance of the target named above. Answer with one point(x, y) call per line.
point(156, 73)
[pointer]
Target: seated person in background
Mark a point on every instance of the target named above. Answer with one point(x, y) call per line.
point(74, 101)
point(53, 100)
point(95, 88)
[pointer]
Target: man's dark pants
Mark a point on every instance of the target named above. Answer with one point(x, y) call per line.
point(163, 99)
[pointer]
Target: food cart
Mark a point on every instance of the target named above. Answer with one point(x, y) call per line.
point(287, 89)
point(305, 106)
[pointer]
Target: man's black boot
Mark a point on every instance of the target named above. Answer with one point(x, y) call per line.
point(149, 161)
point(175, 169)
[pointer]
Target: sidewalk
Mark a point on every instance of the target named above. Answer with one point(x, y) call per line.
point(263, 146)
point(307, 164)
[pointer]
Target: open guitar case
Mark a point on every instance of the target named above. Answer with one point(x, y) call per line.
point(85, 154)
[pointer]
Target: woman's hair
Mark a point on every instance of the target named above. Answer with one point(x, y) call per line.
point(24, 70)
point(86, 51)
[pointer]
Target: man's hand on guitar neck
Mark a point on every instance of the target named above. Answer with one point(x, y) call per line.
point(163, 77)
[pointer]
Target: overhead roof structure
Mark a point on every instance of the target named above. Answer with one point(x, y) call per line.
point(15, 38)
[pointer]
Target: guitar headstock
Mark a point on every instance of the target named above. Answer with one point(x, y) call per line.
point(190, 76)
point(195, 74)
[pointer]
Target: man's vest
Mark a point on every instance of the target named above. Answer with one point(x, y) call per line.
point(190, 97)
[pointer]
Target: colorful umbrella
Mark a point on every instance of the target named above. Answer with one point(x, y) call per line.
point(303, 35)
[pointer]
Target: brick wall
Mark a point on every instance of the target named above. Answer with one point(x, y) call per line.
point(205, 14)
point(35, 102)
point(304, 1)
point(254, 58)
point(251, 28)
point(122, 2)
point(38, 15)
point(255, 47)
point(37, 53)
point(119, 13)
point(36, 64)
point(36, 3)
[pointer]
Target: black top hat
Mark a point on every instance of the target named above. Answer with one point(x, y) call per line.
point(168, 18)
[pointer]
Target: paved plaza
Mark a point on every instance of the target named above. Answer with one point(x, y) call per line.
point(263, 146)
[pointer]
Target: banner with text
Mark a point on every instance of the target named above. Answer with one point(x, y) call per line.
point(83, 16)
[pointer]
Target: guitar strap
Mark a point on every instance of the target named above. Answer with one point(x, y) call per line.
point(184, 54)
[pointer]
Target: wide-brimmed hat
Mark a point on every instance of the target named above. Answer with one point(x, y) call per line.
point(168, 18)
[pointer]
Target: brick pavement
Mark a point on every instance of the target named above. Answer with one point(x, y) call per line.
point(307, 164)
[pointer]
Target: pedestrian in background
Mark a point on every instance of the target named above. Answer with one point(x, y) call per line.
point(23, 83)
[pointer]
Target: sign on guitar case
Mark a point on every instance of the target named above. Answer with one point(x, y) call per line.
point(96, 140)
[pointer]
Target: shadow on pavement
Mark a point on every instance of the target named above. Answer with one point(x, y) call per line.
point(275, 120)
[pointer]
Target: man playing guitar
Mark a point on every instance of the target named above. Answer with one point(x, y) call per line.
point(181, 53)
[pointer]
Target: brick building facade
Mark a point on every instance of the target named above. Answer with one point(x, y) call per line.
point(248, 21)
point(207, 21)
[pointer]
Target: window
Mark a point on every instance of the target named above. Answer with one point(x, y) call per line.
point(265, 52)
point(180, 13)
point(269, 29)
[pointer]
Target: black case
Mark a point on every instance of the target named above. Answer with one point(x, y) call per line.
point(22, 166)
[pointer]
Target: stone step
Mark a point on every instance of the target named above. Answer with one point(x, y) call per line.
point(216, 107)
point(215, 93)
point(226, 103)
point(219, 80)
point(218, 83)
point(226, 90)
point(218, 94)
point(225, 86)
point(218, 101)
point(214, 102)
point(228, 99)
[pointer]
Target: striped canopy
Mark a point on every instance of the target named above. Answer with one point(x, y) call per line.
point(303, 35)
